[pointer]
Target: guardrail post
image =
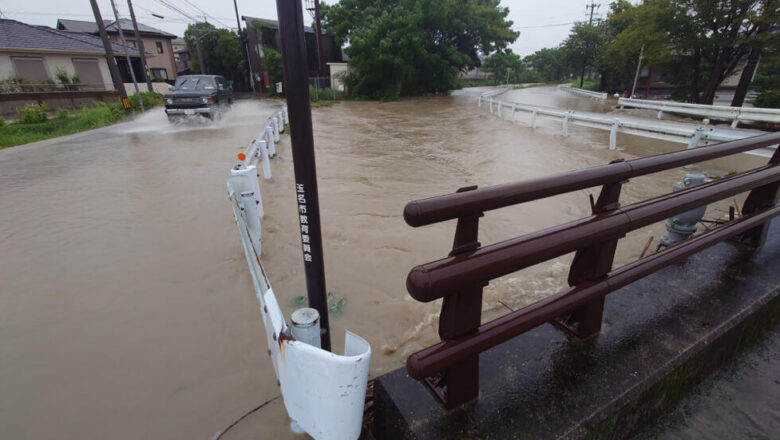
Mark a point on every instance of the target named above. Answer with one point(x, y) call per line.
point(460, 315)
point(533, 118)
point(266, 159)
point(491, 104)
point(247, 188)
point(613, 134)
point(269, 136)
point(761, 198)
point(694, 142)
point(498, 111)
point(591, 263)
point(514, 112)
point(275, 125)
point(735, 122)
point(566, 124)
point(479, 101)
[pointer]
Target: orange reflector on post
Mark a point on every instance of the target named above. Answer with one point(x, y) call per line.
point(241, 157)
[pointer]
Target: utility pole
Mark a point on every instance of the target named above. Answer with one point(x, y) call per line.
point(112, 67)
point(592, 6)
point(313, 6)
point(246, 49)
point(140, 47)
point(200, 50)
point(296, 87)
point(127, 55)
point(638, 66)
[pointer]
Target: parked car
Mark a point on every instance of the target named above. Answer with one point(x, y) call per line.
point(198, 95)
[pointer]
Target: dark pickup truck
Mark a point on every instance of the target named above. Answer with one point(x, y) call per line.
point(198, 95)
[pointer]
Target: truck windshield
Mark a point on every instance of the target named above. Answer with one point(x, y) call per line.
point(195, 84)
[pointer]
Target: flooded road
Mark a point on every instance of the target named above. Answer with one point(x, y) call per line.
point(126, 308)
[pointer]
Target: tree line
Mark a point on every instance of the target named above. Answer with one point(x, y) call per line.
point(697, 44)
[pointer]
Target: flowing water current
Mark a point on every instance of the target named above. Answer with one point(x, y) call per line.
point(126, 307)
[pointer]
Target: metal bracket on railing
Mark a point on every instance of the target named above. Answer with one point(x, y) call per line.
point(460, 315)
point(591, 263)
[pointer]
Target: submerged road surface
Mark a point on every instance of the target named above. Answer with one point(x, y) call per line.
point(126, 308)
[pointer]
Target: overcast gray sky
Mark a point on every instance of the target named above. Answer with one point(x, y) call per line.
point(543, 23)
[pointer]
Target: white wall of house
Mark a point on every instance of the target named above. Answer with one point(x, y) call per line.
point(159, 87)
point(154, 59)
point(336, 82)
point(53, 62)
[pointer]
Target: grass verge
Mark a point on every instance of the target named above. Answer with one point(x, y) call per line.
point(97, 115)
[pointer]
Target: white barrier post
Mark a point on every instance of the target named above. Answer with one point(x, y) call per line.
point(499, 109)
point(269, 137)
point(479, 101)
point(514, 112)
point(491, 104)
point(613, 135)
point(306, 326)
point(566, 124)
point(247, 187)
point(275, 124)
point(266, 159)
point(286, 116)
point(696, 138)
point(533, 118)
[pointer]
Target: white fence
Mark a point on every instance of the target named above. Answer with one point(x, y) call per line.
point(689, 134)
point(598, 96)
point(324, 393)
point(720, 112)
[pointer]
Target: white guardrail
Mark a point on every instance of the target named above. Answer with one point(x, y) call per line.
point(691, 135)
point(720, 112)
point(324, 393)
point(598, 96)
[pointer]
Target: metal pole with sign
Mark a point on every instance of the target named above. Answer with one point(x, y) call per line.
point(290, 13)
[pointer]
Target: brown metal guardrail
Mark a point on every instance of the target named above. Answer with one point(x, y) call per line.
point(451, 367)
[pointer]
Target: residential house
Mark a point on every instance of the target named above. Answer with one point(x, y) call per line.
point(182, 56)
point(158, 47)
point(262, 32)
point(42, 55)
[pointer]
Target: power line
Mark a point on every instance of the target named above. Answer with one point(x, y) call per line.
point(206, 14)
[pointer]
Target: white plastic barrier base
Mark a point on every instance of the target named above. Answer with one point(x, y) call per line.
point(323, 393)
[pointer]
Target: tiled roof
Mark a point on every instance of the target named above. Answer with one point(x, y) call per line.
point(18, 35)
point(111, 26)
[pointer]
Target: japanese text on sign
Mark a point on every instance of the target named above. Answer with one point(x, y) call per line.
point(304, 221)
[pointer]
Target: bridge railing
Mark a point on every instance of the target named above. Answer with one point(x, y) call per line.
point(720, 112)
point(451, 367)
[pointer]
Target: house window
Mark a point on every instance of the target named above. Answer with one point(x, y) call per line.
point(30, 69)
point(159, 74)
point(132, 44)
point(159, 46)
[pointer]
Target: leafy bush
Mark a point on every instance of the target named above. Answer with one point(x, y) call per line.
point(2, 122)
point(768, 99)
point(62, 114)
point(150, 99)
point(324, 94)
point(32, 114)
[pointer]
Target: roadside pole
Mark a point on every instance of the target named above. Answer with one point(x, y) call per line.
point(242, 42)
point(200, 51)
point(290, 13)
point(112, 67)
point(127, 55)
point(140, 46)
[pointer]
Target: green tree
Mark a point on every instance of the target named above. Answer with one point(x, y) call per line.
point(550, 63)
point(221, 51)
point(413, 47)
point(508, 67)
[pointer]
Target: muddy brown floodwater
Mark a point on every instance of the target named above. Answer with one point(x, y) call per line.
point(126, 308)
